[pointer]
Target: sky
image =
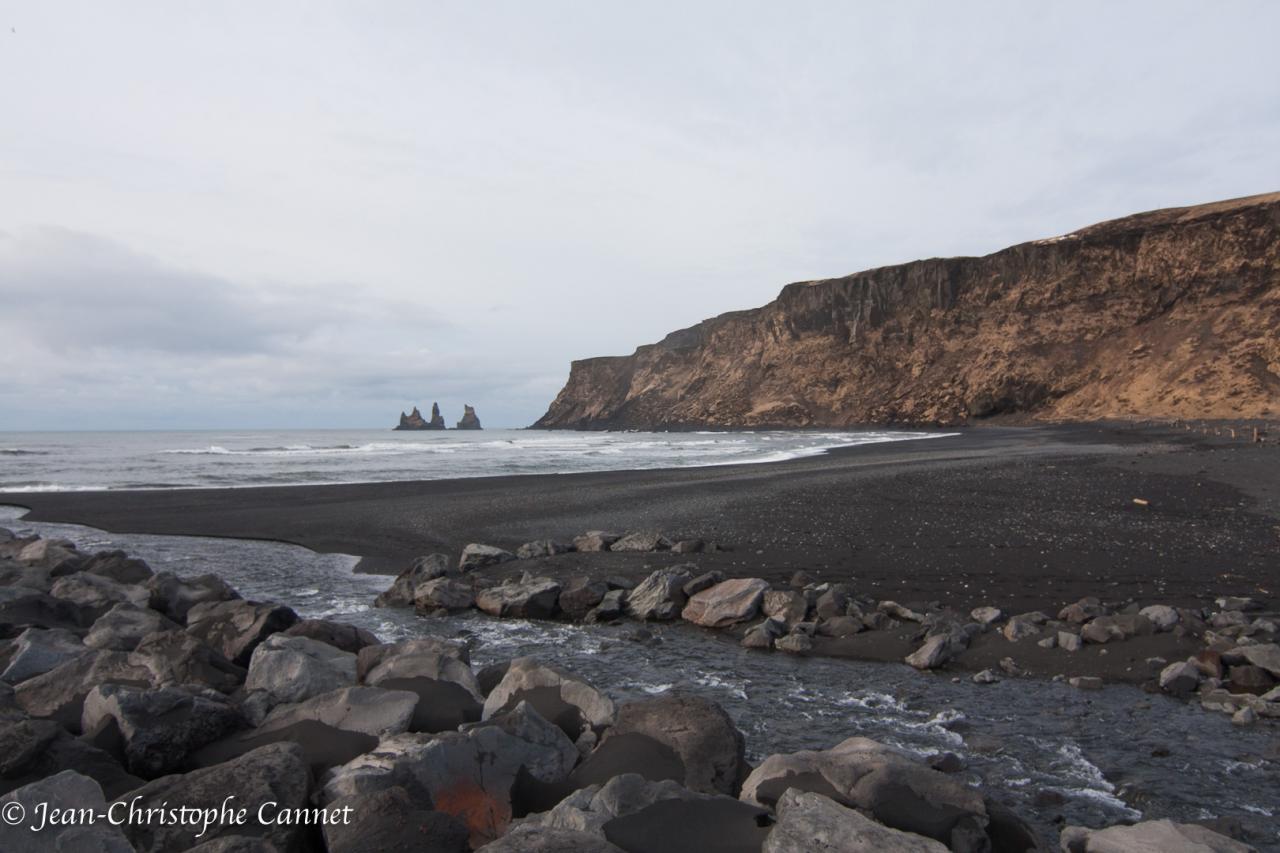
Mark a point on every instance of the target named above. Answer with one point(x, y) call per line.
point(235, 214)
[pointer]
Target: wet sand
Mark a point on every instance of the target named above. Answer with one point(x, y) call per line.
point(1020, 517)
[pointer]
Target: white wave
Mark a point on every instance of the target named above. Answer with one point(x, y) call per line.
point(49, 487)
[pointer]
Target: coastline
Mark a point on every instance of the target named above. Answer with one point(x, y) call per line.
point(1025, 517)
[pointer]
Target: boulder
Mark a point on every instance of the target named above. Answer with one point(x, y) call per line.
point(612, 606)
point(367, 710)
point(557, 755)
point(32, 749)
point(581, 596)
point(434, 671)
point(726, 603)
point(469, 775)
point(809, 821)
point(31, 577)
point(176, 657)
point(1104, 629)
point(235, 844)
point(797, 642)
point(889, 785)
point(340, 635)
point(643, 815)
point(68, 791)
point(897, 611)
point(157, 728)
point(1265, 655)
point(22, 608)
point(559, 696)
point(119, 567)
point(936, 651)
point(389, 821)
point(787, 607)
point(1161, 836)
point(404, 588)
point(294, 669)
point(1180, 678)
point(541, 548)
point(660, 596)
point(986, 615)
point(647, 540)
point(704, 581)
point(523, 598)
point(235, 628)
point(1163, 617)
point(124, 626)
point(174, 596)
point(96, 594)
point(1085, 682)
point(1069, 642)
point(1080, 612)
point(38, 650)
point(691, 546)
point(59, 694)
point(275, 774)
point(840, 626)
point(532, 838)
point(595, 540)
point(444, 594)
point(59, 556)
point(1022, 627)
point(763, 635)
point(699, 732)
point(476, 556)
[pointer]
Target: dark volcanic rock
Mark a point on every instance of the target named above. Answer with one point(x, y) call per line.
point(469, 419)
point(389, 821)
point(340, 635)
point(414, 419)
point(236, 627)
point(698, 731)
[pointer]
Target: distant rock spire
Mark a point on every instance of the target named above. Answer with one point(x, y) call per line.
point(469, 419)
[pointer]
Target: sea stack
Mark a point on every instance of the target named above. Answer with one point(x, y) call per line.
point(414, 419)
point(469, 419)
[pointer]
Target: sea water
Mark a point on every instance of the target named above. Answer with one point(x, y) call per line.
point(66, 461)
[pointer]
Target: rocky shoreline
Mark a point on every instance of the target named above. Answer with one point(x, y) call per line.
point(129, 692)
point(1223, 655)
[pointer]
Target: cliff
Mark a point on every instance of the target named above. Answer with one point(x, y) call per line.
point(1168, 314)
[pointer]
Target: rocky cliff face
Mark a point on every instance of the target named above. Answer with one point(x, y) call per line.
point(414, 419)
point(1174, 313)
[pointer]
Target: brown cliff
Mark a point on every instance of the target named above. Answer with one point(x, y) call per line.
point(1169, 314)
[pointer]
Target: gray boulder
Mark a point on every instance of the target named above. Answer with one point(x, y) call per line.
point(444, 593)
point(1104, 629)
point(476, 556)
point(935, 652)
point(235, 628)
point(581, 596)
point(1023, 626)
point(523, 598)
point(699, 732)
point(159, 728)
point(1163, 617)
point(646, 540)
point(293, 669)
point(125, 625)
point(789, 607)
point(404, 588)
point(367, 710)
point(559, 696)
point(174, 596)
point(176, 657)
point(69, 791)
point(340, 635)
point(59, 556)
point(38, 650)
point(13, 573)
point(726, 603)
point(59, 694)
point(32, 749)
point(660, 596)
point(612, 606)
point(1264, 655)
point(96, 594)
point(542, 548)
point(986, 615)
point(119, 567)
point(557, 755)
point(809, 821)
point(764, 634)
point(275, 774)
point(434, 671)
point(531, 838)
point(1180, 678)
point(1160, 836)
point(389, 821)
point(595, 540)
point(22, 608)
point(884, 782)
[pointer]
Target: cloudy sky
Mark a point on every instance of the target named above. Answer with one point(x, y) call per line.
point(312, 214)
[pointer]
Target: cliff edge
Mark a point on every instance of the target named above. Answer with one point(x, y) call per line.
point(1169, 314)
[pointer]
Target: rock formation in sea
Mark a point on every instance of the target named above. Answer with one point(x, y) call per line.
point(1168, 314)
point(469, 419)
point(414, 419)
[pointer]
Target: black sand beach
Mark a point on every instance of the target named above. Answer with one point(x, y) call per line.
point(1021, 517)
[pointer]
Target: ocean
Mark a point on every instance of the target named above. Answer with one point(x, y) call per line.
point(69, 461)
